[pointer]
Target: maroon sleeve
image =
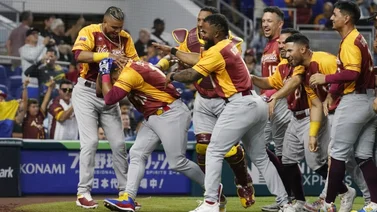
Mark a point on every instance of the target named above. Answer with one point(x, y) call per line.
point(77, 53)
point(343, 76)
point(115, 95)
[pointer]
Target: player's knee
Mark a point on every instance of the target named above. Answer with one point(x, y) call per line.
point(202, 141)
point(235, 155)
point(137, 155)
point(361, 161)
point(178, 163)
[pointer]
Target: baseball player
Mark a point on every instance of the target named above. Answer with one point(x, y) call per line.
point(355, 81)
point(243, 117)
point(162, 109)
point(272, 22)
point(295, 145)
point(207, 108)
point(297, 47)
point(94, 43)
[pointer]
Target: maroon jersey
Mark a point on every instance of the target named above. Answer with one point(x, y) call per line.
point(91, 38)
point(297, 101)
point(56, 110)
point(146, 87)
point(32, 126)
point(270, 58)
point(193, 43)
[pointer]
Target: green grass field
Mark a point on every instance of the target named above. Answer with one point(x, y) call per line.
point(164, 204)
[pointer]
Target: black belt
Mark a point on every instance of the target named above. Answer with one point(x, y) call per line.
point(244, 93)
point(301, 114)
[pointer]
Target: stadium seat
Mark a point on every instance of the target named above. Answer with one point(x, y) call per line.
point(3, 76)
point(17, 71)
point(15, 83)
point(18, 93)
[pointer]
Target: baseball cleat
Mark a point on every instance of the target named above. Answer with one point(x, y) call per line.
point(371, 207)
point(86, 201)
point(329, 207)
point(123, 203)
point(315, 206)
point(206, 207)
point(287, 208)
point(222, 199)
point(246, 195)
point(347, 199)
point(274, 207)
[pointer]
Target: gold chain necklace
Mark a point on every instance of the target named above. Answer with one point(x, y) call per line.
point(116, 44)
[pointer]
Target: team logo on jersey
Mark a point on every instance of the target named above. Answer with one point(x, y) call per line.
point(272, 57)
point(82, 38)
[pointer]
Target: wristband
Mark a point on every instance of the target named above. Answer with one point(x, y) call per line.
point(172, 77)
point(173, 51)
point(163, 63)
point(314, 128)
point(97, 57)
point(105, 78)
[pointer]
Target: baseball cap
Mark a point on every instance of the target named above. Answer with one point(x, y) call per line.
point(31, 31)
point(158, 21)
point(3, 94)
point(250, 52)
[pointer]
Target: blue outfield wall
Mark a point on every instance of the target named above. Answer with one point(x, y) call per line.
point(55, 165)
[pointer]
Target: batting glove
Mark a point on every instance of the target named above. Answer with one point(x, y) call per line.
point(105, 66)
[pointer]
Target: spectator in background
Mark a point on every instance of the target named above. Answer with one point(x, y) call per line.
point(46, 69)
point(129, 134)
point(63, 42)
point(74, 30)
point(142, 43)
point(18, 36)
point(259, 42)
point(304, 9)
point(32, 126)
point(159, 35)
point(324, 18)
point(252, 65)
point(47, 32)
point(101, 134)
point(31, 53)
point(11, 112)
point(127, 108)
point(62, 121)
point(152, 54)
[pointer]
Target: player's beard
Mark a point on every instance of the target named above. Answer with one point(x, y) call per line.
point(209, 44)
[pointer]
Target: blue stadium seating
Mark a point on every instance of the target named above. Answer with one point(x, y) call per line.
point(3, 76)
point(6, 90)
point(15, 83)
point(17, 71)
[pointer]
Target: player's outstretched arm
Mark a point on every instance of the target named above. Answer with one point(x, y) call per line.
point(261, 82)
point(289, 87)
point(190, 58)
point(187, 76)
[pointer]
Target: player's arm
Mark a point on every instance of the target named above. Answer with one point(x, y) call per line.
point(190, 58)
point(189, 75)
point(351, 58)
point(113, 94)
point(210, 62)
point(261, 82)
point(289, 87)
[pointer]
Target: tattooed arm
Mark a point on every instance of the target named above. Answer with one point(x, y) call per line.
point(186, 76)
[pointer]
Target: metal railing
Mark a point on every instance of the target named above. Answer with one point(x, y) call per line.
point(5, 59)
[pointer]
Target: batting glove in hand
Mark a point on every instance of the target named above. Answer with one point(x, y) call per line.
point(105, 66)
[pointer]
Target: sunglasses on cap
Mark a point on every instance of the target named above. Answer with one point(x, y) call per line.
point(65, 90)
